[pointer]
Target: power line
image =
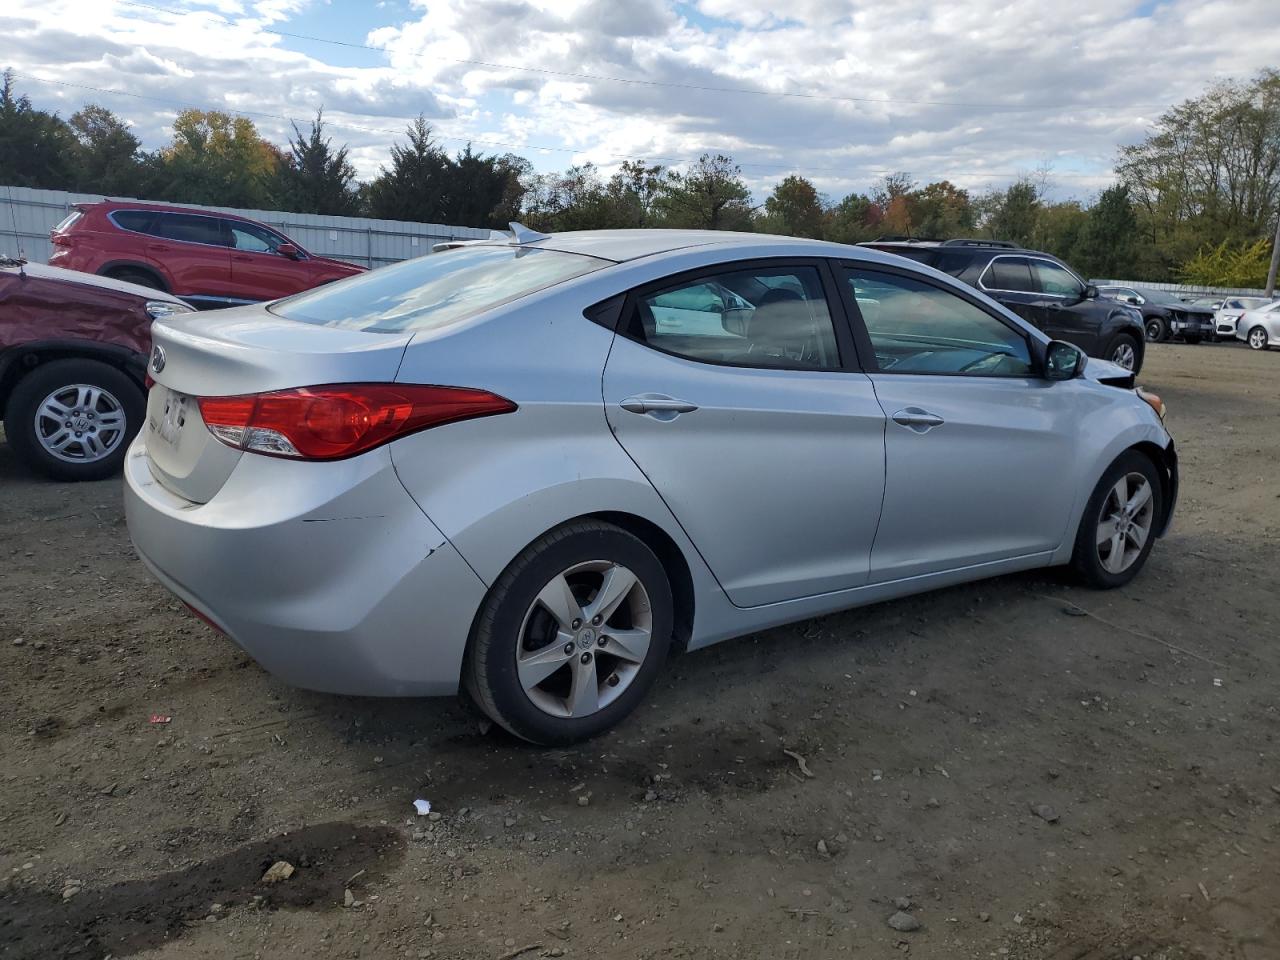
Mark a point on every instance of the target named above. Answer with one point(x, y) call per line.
point(837, 171)
point(638, 81)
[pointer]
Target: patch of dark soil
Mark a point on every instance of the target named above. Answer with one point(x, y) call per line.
point(135, 915)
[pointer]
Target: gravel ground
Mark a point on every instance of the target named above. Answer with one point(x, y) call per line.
point(1015, 768)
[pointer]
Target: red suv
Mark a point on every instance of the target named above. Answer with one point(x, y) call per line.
point(208, 259)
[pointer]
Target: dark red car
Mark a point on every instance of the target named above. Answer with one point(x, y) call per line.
point(73, 361)
point(208, 259)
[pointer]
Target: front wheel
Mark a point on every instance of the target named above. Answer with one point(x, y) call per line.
point(1124, 351)
point(572, 635)
point(1117, 530)
point(1156, 330)
point(1258, 338)
point(74, 419)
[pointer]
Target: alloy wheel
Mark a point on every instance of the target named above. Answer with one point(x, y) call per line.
point(1257, 338)
point(584, 639)
point(1125, 522)
point(80, 423)
point(1154, 330)
point(1124, 355)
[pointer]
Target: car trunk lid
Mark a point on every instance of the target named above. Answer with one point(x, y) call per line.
point(235, 352)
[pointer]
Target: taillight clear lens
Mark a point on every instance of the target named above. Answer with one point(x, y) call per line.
point(340, 420)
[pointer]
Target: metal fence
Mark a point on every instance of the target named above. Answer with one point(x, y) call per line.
point(27, 216)
point(1184, 290)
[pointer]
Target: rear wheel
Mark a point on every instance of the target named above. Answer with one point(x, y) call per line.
point(74, 419)
point(1123, 350)
point(572, 635)
point(140, 277)
point(1258, 338)
point(1117, 530)
point(1156, 330)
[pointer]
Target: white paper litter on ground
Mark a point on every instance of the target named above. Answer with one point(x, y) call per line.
point(422, 806)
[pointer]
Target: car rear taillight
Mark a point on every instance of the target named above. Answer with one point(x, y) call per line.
point(340, 420)
point(61, 239)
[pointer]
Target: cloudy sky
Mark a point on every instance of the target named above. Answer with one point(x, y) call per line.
point(843, 91)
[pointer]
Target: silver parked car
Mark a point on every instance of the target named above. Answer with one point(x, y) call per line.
point(1260, 326)
point(533, 466)
point(1227, 316)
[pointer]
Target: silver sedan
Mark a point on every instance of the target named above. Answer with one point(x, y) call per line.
point(532, 467)
point(1259, 327)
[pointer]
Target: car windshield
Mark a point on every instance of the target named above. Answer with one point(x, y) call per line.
point(437, 289)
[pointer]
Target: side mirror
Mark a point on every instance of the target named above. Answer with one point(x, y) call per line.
point(289, 250)
point(1063, 361)
point(1090, 292)
point(1133, 301)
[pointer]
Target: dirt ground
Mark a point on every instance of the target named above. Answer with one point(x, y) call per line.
point(1145, 718)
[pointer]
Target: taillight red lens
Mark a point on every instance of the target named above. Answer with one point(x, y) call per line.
point(60, 239)
point(340, 420)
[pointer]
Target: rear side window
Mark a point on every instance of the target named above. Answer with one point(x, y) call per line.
point(1009, 273)
point(436, 290)
point(138, 221)
point(764, 317)
point(188, 229)
point(66, 222)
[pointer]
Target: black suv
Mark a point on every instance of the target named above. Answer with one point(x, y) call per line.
point(1039, 288)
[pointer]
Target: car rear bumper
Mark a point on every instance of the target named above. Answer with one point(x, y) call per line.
point(327, 574)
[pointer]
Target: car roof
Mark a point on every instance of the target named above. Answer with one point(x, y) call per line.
point(111, 205)
point(623, 245)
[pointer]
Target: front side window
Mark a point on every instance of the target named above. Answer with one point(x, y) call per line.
point(1057, 280)
point(188, 229)
point(437, 289)
point(916, 327)
point(1012, 274)
point(755, 317)
point(245, 236)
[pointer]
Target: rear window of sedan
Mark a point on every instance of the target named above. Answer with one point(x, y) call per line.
point(435, 290)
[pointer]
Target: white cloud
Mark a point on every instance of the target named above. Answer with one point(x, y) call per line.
point(974, 92)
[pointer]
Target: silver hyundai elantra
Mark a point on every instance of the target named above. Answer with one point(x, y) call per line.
point(532, 467)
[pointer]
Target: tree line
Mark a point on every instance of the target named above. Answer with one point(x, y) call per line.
point(1195, 201)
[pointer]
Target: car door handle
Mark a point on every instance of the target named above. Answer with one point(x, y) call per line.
point(921, 421)
point(657, 404)
point(243, 257)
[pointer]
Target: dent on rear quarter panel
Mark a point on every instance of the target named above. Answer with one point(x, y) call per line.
point(36, 309)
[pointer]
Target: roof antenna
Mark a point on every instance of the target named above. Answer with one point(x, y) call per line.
point(13, 218)
point(522, 234)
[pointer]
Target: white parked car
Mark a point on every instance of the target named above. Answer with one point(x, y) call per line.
point(1225, 317)
point(1260, 328)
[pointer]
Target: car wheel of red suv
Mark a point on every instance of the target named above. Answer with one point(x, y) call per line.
point(74, 419)
point(140, 277)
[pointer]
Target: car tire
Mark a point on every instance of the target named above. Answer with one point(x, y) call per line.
point(103, 400)
point(140, 277)
point(1123, 349)
point(1108, 561)
point(519, 637)
point(1157, 331)
point(1257, 339)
